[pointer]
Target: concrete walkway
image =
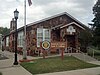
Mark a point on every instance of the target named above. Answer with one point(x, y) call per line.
point(89, 71)
point(7, 67)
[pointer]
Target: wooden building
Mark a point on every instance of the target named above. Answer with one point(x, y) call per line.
point(58, 28)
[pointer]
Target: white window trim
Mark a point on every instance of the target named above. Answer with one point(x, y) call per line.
point(20, 39)
point(42, 30)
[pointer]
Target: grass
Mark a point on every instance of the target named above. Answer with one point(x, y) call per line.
point(55, 64)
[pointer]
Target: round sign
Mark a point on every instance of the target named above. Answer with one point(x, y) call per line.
point(45, 44)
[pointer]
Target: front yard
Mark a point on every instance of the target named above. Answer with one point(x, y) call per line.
point(55, 64)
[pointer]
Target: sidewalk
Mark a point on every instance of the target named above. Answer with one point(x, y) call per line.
point(89, 71)
point(7, 67)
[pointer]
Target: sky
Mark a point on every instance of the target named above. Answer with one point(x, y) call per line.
point(40, 9)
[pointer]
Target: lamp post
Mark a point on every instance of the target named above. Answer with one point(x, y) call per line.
point(15, 47)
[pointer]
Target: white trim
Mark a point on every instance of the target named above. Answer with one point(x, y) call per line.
point(72, 24)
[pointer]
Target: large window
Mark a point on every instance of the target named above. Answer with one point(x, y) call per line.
point(42, 35)
point(7, 41)
point(46, 33)
point(20, 39)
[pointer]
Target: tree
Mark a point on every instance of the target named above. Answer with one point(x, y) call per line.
point(4, 31)
point(85, 38)
point(96, 24)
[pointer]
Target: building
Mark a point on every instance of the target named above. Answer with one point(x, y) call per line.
point(0, 41)
point(58, 28)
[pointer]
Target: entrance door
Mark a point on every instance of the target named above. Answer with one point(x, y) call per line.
point(70, 39)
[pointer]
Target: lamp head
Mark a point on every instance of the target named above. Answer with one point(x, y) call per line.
point(16, 14)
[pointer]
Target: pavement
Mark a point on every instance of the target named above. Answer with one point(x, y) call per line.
point(7, 67)
point(89, 71)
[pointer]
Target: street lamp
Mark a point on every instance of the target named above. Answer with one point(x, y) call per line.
point(15, 47)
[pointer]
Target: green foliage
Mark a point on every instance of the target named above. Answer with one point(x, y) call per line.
point(96, 24)
point(85, 38)
point(96, 38)
point(4, 31)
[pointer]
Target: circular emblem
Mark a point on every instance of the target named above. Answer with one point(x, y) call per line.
point(45, 44)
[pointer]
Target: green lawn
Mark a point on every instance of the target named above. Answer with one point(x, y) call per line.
point(55, 64)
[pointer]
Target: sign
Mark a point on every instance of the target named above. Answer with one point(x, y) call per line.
point(71, 29)
point(58, 44)
point(45, 45)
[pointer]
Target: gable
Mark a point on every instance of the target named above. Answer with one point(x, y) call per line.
point(73, 23)
point(57, 21)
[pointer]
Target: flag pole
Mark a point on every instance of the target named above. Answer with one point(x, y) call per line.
point(24, 47)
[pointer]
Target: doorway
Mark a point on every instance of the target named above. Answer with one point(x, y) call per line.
point(70, 39)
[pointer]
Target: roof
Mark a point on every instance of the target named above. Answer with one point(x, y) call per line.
point(64, 13)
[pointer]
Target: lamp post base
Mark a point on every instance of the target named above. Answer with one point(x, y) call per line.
point(15, 60)
point(15, 63)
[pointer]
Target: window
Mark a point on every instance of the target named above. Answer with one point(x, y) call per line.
point(7, 41)
point(20, 39)
point(42, 35)
point(39, 36)
point(46, 35)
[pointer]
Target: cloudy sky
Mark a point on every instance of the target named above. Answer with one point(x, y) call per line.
point(40, 9)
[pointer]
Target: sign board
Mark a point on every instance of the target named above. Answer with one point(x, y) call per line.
point(45, 45)
point(71, 29)
point(58, 44)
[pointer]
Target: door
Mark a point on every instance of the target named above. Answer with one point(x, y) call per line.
point(70, 39)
